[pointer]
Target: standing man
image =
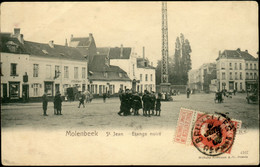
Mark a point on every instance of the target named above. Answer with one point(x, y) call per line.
point(128, 102)
point(104, 96)
point(44, 103)
point(153, 99)
point(188, 93)
point(58, 103)
point(158, 104)
point(122, 102)
point(120, 92)
point(82, 100)
point(137, 103)
point(146, 103)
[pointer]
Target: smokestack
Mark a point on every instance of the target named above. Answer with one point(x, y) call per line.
point(90, 36)
point(51, 44)
point(121, 50)
point(143, 52)
point(66, 42)
point(246, 51)
point(238, 49)
point(17, 31)
point(20, 38)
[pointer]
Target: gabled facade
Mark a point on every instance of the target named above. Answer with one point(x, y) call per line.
point(106, 78)
point(85, 43)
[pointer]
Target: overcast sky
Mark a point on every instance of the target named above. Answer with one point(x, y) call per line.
point(209, 26)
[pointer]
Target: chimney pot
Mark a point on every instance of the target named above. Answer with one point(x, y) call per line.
point(121, 50)
point(20, 38)
point(51, 44)
point(16, 31)
point(246, 51)
point(238, 49)
point(66, 42)
point(90, 36)
point(143, 52)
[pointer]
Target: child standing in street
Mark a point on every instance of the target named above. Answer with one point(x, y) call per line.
point(158, 104)
point(82, 100)
point(45, 103)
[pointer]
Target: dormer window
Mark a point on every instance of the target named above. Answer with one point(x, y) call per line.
point(120, 75)
point(145, 64)
point(12, 46)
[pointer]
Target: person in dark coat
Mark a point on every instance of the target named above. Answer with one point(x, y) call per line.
point(158, 104)
point(137, 103)
point(120, 92)
point(146, 103)
point(128, 103)
point(58, 103)
point(45, 103)
point(104, 97)
point(188, 93)
point(153, 99)
point(82, 100)
point(125, 103)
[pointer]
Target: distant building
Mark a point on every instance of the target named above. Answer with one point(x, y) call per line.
point(237, 70)
point(200, 79)
point(30, 68)
point(146, 72)
point(85, 43)
point(106, 78)
point(141, 73)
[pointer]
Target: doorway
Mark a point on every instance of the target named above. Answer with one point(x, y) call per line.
point(25, 94)
point(57, 88)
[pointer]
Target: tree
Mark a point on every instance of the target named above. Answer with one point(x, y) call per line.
point(182, 60)
point(179, 65)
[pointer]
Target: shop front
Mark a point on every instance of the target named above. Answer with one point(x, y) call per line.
point(48, 87)
point(14, 90)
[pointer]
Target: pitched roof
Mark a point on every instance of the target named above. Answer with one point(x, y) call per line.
point(115, 53)
point(7, 41)
point(58, 51)
point(103, 50)
point(98, 67)
point(236, 54)
point(80, 41)
point(141, 63)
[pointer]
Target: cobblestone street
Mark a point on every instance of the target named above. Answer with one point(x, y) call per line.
point(104, 115)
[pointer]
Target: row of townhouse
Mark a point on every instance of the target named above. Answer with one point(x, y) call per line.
point(200, 79)
point(29, 68)
point(234, 70)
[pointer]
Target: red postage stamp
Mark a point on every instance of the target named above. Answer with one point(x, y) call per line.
point(211, 134)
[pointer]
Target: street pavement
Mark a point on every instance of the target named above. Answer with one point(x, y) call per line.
point(101, 115)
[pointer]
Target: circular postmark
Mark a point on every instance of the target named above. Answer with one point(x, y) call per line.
point(213, 134)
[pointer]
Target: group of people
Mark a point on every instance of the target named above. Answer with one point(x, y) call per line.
point(85, 96)
point(149, 102)
point(57, 104)
point(219, 95)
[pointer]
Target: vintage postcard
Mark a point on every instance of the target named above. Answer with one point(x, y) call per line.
point(129, 83)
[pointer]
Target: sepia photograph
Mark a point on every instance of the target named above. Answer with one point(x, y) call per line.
point(129, 83)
